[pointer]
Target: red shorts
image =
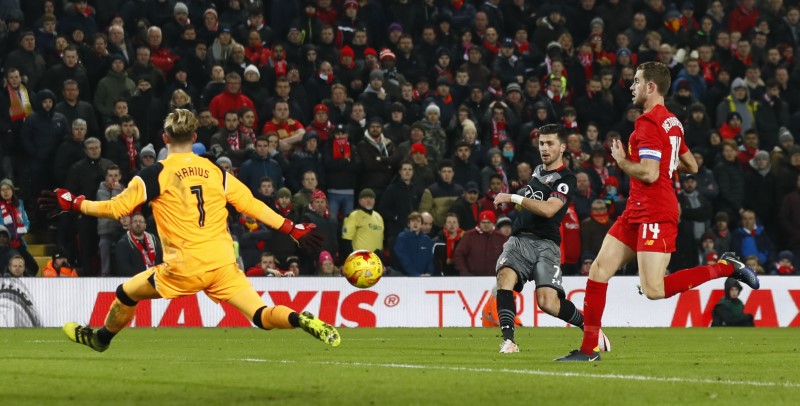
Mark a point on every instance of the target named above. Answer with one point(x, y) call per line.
point(650, 237)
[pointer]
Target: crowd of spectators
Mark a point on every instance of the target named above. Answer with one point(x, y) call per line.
point(392, 124)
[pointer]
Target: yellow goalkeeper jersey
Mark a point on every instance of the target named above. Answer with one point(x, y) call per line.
point(188, 195)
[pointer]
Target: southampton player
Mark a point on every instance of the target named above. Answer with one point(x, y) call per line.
point(649, 225)
point(532, 253)
point(188, 194)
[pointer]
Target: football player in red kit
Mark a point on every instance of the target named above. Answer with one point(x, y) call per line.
point(649, 225)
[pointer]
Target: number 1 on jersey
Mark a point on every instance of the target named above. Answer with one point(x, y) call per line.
point(198, 192)
point(675, 154)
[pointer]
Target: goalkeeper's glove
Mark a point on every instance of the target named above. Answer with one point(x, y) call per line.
point(58, 201)
point(303, 234)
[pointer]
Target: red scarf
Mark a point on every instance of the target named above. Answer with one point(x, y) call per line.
point(281, 67)
point(450, 242)
point(602, 172)
point(129, 144)
point(12, 218)
point(148, 253)
point(498, 132)
point(341, 148)
point(233, 140)
point(457, 4)
point(523, 47)
point(502, 173)
point(329, 80)
point(248, 132)
point(600, 218)
point(284, 211)
point(493, 49)
point(447, 100)
point(746, 60)
point(20, 103)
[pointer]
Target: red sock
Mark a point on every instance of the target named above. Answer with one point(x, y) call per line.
point(689, 278)
point(593, 305)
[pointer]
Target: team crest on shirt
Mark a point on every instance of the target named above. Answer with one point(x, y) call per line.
point(548, 179)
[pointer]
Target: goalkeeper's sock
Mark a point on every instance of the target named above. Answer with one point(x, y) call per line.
point(277, 317)
point(686, 279)
point(569, 313)
point(593, 305)
point(506, 312)
point(105, 336)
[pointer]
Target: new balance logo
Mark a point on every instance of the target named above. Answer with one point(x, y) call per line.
point(649, 242)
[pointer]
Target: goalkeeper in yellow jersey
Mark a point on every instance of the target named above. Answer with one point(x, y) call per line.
point(188, 194)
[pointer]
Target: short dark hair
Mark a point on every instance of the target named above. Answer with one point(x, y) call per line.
point(446, 163)
point(556, 129)
point(657, 73)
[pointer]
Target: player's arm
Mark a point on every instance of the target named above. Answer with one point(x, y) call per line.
point(645, 170)
point(687, 163)
point(242, 199)
point(544, 208)
point(120, 205)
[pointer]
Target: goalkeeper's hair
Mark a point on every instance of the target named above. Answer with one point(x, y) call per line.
point(180, 125)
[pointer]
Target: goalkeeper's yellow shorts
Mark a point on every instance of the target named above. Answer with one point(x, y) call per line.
point(219, 284)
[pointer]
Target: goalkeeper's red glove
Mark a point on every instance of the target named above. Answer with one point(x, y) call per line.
point(59, 200)
point(303, 235)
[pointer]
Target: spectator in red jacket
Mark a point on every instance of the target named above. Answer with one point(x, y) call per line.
point(744, 17)
point(231, 99)
point(161, 57)
point(477, 253)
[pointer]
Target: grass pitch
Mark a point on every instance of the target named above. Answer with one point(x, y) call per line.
point(452, 366)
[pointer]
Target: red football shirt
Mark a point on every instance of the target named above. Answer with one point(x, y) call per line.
point(657, 135)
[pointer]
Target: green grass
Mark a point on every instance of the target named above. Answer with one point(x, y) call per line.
point(454, 366)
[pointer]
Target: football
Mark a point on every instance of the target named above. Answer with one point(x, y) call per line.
point(363, 269)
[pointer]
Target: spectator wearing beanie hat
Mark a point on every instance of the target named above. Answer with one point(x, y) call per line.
point(317, 213)
point(326, 266)
point(147, 155)
point(443, 100)
point(477, 253)
point(375, 98)
point(321, 124)
point(466, 207)
point(59, 266)
point(379, 157)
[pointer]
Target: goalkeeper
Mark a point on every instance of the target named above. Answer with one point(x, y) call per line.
point(188, 194)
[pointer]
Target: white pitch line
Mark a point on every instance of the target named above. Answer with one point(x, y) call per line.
point(643, 378)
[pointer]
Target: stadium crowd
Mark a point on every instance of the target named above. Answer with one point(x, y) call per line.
point(391, 125)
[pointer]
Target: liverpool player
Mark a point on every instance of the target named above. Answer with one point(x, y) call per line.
point(648, 226)
point(188, 194)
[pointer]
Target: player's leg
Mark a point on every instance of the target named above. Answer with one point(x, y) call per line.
point(615, 252)
point(233, 287)
point(507, 308)
point(652, 267)
point(556, 305)
point(121, 312)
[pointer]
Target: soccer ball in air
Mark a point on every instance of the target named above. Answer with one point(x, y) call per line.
point(363, 269)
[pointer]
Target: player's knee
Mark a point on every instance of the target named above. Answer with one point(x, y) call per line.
point(547, 303)
point(124, 298)
point(652, 293)
point(506, 278)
